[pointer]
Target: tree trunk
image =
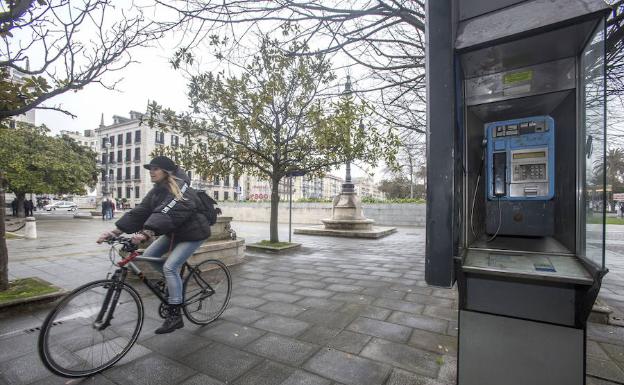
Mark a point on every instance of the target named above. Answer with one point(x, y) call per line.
point(411, 172)
point(21, 198)
point(274, 209)
point(4, 255)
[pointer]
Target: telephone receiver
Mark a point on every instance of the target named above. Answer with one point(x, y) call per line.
point(500, 173)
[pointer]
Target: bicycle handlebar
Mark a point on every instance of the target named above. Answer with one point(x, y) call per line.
point(126, 243)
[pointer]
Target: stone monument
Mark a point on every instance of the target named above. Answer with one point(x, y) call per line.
point(347, 219)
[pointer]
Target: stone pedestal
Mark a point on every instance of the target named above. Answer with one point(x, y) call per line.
point(347, 220)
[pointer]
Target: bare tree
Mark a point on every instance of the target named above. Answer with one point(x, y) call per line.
point(51, 47)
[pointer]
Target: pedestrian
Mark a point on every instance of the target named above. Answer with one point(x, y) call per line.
point(622, 209)
point(28, 207)
point(169, 211)
point(113, 207)
point(14, 207)
point(106, 208)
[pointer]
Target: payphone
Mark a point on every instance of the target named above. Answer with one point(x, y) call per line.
point(520, 176)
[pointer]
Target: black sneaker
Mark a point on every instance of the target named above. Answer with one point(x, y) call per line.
point(172, 322)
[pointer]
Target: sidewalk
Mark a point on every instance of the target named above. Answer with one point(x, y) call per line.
point(338, 311)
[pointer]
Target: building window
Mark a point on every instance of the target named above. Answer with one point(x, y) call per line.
point(111, 157)
point(118, 192)
point(128, 137)
point(175, 141)
point(120, 139)
point(128, 192)
point(119, 173)
point(119, 156)
point(215, 195)
point(111, 174)
point(128, 175)
point(104, 140)
point(137, 136)
point(236, 181)
point(137, 194)
point(111, 140)
point(103, 157)
point(160, 137)
point(226, 195)
point(137, 153)
point(235, 196)
point(216, 181)
point(128, 154)
point(226, 181)
point(137, 172)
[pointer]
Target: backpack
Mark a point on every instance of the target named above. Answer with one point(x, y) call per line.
point(207, 207)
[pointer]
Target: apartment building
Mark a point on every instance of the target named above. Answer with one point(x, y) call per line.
point(126, 144)
point(366, 187)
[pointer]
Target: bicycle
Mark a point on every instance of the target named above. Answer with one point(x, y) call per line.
point(95, 325)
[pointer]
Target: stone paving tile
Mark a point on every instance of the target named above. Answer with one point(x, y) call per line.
point(595, 350)
point(98, 379)
point(280, 308)
point(386, 330)
point(307, 292)
point(149, 370)
point(233, 334)
point(283, 280)
point(428, 300)
point(441, 312)
point(310, 284)
point(281, 297)
point(246, 301)
point(281, 287)
point(598, 381)
point(616, 352)
point(344, 340)
point(283, 349)
point(354, 298)
point(402, 356)
point(201, 379)
point(280, 274)
point(369, 283)
point(17, 345)
point(282, 325)
point(301, 377)
point(339, 281)
point(394, 304)
point(335, 319)
point(384, 293)
point(267, 373)
point(375, 312)
point(345, 288)
point(241, 315)
point(252, 283)
point(23, 370)
point(247, 291)
point(222, 362)
point(433, 342)
point(604, 369)
point(419, 321)
point(347, 368)
point(605, 333)
point(403, 377)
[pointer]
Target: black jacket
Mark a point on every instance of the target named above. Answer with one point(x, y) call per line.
point(163, 214)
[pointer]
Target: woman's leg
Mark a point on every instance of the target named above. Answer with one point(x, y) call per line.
point(158, 249)
point(171, 269)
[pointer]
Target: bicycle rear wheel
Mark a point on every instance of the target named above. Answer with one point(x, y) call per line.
point(207, 291)
point(74, 342)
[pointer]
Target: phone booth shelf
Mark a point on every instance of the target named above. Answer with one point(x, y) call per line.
point(522, 118)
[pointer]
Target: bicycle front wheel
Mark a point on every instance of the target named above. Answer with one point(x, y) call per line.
point(207, 291)
point(91, 329)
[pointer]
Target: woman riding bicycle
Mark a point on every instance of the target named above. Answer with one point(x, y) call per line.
point(169, 210)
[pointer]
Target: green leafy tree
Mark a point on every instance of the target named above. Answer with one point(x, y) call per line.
point(270, 122)
point(33, 162)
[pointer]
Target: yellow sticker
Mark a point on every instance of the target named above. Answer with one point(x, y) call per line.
point(518, 77)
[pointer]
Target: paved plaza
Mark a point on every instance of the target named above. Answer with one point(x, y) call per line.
point(337, 311)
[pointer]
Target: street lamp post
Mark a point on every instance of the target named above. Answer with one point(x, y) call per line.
point(347, 186)
point(106, 162)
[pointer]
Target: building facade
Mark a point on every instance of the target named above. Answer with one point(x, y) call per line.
point(29, 116)
point(303, 187)
point(130, 145)
point(366, 187)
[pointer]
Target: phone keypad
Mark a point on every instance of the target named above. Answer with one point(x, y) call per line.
point(530, 172)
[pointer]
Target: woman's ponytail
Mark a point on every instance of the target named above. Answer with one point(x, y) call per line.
point(173, 186)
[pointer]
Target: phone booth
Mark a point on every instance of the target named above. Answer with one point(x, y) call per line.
point(523, 87)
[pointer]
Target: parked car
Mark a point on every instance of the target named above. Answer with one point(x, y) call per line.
point(61, 205)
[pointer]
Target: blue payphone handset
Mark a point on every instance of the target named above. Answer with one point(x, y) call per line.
point(521, 159)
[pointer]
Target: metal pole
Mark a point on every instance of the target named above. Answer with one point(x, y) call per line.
point(289, 208)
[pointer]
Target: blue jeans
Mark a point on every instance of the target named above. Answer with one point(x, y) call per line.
point(171, 265)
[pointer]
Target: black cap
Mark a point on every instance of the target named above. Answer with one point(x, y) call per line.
point(163, 163)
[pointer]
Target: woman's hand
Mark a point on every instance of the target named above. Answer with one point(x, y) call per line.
point(107, 235)
point(138, 238)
